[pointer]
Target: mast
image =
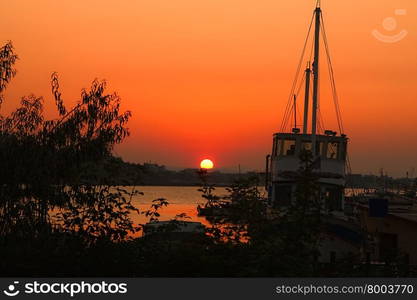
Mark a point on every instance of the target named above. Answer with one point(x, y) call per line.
point(306, 98)
point(316, 78)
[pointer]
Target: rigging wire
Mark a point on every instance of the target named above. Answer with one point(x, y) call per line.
point(311, 51)
point(348, 165)
point(334, 91)
point(296, 94)
point(295, 91)
point(332, 79)
point(301, 85)
point(299, 114)
point(321, 122)
point(296, 97)
point(320, 117)
point(288, 107)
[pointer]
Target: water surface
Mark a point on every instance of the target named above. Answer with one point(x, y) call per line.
point(182, 199)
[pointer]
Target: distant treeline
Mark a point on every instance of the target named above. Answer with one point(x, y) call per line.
point(126, 173)
point(374, 181)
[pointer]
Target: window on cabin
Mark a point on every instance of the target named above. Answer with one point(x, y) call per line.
point(274, 147)
point(319, 148)
point(332, 150)
point(278, 145)
point(308, 146)
point(288, 148)
point(343, 151)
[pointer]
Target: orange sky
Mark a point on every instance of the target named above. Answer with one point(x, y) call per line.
point(211, 78)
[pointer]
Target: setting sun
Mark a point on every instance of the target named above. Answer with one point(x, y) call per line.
point(206, 164)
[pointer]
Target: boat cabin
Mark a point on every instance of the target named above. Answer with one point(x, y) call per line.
point(329, 164)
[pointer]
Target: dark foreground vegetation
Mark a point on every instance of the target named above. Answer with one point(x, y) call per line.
point(59, 216)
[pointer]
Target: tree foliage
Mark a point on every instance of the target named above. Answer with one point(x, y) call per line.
point(283, 242)
point(7, 71)
point(44, 164)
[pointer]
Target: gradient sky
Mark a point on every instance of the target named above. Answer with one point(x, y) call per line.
point(210, 78)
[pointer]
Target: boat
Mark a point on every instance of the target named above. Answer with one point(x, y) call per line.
point(307, 145)
point(327, 146)
point(374, 228)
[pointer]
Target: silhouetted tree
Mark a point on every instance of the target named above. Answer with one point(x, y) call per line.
point(7, 71)
point(283, 243)
point(44, 164)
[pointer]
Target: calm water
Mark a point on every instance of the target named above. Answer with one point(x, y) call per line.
point(182, 199)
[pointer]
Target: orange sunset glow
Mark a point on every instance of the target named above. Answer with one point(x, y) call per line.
point(212, 77)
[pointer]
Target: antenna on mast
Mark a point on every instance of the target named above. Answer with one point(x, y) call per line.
point(306, 98)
